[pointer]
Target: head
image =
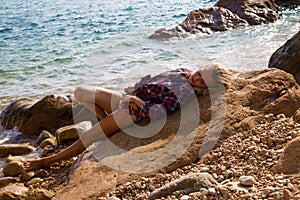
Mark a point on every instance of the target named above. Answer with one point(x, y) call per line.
point(212, 75)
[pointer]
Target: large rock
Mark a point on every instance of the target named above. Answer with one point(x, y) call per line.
point(15, 149)
point(223, 16)
point(289, 161)
point(287, 57)
point(255, 12)
point(12, 192)
point(251, 96)
point(186, 184)
point(49, 113)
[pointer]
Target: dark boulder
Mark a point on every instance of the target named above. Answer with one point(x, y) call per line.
point(49, 113)
point(287, 57)
point(223, 16)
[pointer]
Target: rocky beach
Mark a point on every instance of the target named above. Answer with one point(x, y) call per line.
point(246, 145)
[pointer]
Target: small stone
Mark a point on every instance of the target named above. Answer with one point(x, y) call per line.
point(72, 132)
point(204, 169)
point(14, 168)
point(6, 181)
point(112, 198)
point(151, 187)
point(48, 141)
point(223, 190)
point(269, 177)
point(159, 176)
point(33, 181)
point(43, 136)
point(212, 191)
point(185, 197)
point(287, 195)
point(27, 176)
point(14, 158)
point(247, 180)
point(290, 187)
point(48, 149)
point(41, 173)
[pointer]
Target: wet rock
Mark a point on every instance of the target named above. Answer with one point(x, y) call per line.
point(6, 181)
point(223, 16)
point(14, 158)
point(48, 141)
point(15, 149)
point(43, 136)
point(72, 132)
point(49, 113)
point(247, 180)
point(12, 192)
point(289, 161)
point(14, 168)
point(186, 184)
point(287, 57)
point(48, 149)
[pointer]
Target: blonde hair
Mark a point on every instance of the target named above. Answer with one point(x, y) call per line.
point(221, 75)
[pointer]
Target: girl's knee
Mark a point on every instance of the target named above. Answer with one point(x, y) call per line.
point(79, 92)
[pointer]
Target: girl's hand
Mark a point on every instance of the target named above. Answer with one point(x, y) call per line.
point(128, 90)
point(132, 101)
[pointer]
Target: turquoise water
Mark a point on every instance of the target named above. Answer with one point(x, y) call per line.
point(53, 46)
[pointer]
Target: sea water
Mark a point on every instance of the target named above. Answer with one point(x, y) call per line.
point(51, 47)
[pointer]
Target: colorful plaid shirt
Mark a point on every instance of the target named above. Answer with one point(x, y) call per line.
point(163, 93)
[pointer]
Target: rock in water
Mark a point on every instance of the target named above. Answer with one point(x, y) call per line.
point(15, 149)
point(224, 15)
point(287, 57)
point(50, 113)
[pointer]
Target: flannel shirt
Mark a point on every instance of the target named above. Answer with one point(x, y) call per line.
point(164, 93)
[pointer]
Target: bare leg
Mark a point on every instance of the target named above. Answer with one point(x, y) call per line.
point(99, 100)
point(105, 128)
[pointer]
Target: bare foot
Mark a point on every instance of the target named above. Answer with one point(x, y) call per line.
point(30, 165)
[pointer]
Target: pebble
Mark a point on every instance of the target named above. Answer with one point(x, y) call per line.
point(287, 195)
point(247, 180)
point(33, 181)
point(112, 198)
point(185, 197)
point(14, 168)
point(27, 176)
point(212, 191)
